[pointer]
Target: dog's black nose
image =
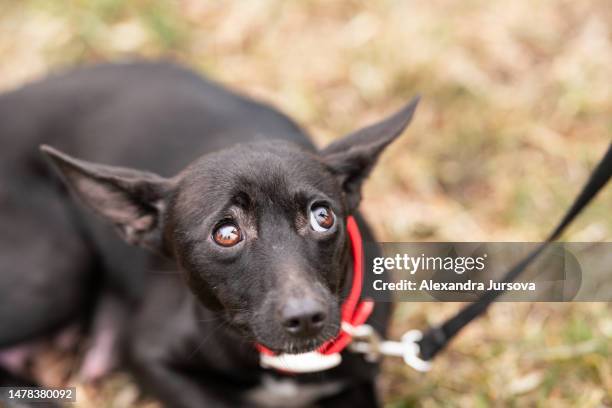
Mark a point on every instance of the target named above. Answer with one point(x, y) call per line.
point(304, 318)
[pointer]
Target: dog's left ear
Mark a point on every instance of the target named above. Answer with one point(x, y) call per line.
point(353, 157)
point(132, 200)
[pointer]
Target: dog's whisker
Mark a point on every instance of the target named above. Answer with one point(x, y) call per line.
point(212, 319)
point(205, 339)
point(163, 272)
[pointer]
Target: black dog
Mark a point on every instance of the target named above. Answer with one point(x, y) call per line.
point(256, 226)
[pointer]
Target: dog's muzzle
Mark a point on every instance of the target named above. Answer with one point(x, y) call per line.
point(355, 312)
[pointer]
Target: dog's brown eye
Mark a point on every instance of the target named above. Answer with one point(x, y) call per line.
point(227, 235)
point(321, 218)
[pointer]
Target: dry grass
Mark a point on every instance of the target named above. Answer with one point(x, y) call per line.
point(517, 109)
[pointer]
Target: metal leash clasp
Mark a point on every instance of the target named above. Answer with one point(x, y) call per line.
point(412, 350)
point(367, 341)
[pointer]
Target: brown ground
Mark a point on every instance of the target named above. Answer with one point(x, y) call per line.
point(517, 109)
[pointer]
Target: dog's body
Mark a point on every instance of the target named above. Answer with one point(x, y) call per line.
point(189, 351)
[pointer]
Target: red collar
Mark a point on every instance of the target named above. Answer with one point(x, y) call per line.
point(355, 312)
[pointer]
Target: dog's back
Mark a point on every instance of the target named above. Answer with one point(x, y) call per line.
point(155, 115)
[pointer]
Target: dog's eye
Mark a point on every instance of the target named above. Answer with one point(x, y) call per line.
point(321, 218)
point(227, 235)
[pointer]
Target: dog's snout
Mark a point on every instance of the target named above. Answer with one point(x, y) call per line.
point(304, 317)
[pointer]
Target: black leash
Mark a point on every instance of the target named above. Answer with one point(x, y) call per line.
point(436, 338)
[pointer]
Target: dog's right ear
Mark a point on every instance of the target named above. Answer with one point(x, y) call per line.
point(134, 201)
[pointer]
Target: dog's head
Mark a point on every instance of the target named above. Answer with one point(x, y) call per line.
point(259, 230)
